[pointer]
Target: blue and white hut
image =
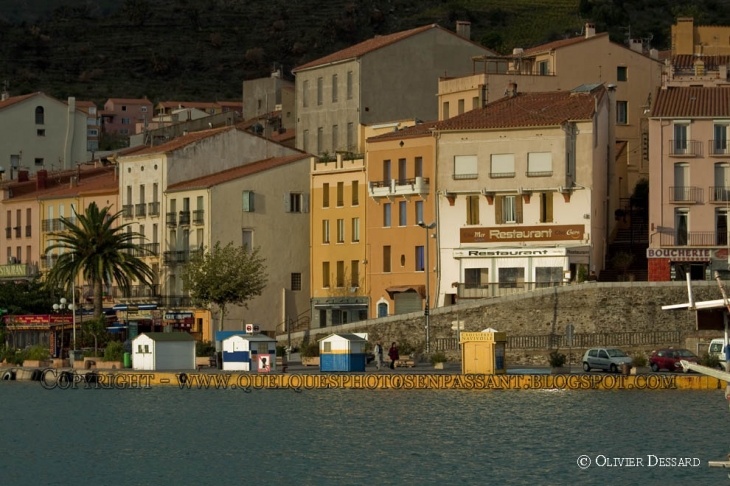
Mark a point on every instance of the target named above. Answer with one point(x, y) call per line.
point(342, 352)
point(243, 352)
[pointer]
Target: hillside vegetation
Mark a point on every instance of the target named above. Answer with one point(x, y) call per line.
point(204, 49)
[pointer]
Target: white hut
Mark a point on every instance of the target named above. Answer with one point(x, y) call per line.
point(158, 351)
point(249, 352)
point(342, 352)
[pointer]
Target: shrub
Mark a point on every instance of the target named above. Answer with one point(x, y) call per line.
point(89, 353)
point(309, 350)
point(405, 348)
point(280, 351)
point(556, 359)
point(438, 358)
point(38, 352)
point(710, 360)
point(639, 359)
point(203, 349)
point(114, 351)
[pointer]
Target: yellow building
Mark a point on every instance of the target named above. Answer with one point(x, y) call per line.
point(691, 39)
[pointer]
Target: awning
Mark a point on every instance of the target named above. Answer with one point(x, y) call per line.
point(126, 307)
point(421, 289)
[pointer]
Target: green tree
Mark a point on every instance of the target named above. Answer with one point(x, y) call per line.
point(93, 330)
point(98, 250)
point(25, 297)
point(225, 275)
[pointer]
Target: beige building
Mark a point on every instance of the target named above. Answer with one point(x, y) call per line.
point(690, 183)
point(560, 66)
point(691, 39)
point(40, 132)
point(388, 77)
point(522, 187)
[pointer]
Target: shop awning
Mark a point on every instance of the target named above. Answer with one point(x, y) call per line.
point(421, 289)
point(126, 307)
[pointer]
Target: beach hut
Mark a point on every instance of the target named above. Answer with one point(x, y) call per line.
point(483, 352)
point(158, 351)
point(342, 352)
point(249, 352)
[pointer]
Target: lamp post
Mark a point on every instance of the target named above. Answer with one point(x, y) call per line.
point(59, 308)
point(427, 227)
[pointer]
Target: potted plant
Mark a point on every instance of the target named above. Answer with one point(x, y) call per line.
point(310, 354)
point(557, 361)
point(438, 360)
point(639, 363)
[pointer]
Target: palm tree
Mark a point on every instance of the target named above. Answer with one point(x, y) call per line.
point(99, 251)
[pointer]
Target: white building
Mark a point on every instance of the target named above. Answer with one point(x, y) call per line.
point(247, 352)
point(159, 351)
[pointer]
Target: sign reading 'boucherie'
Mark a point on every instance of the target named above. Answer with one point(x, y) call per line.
point(522, 233)
point(682, 254)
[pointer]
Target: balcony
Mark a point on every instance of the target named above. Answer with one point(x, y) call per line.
point(719, 194)
point(8, 232)
point(501, 175)
point(140, 210)
point(544, 173)
point(173, 301)
point(153, 208)
point(147, 250)
point(184, 218)
point(198, 216)
point(399, 187)
point(460, 177)
point(685, 148)
point(17, 231)
point(178, 257)
point(27, 230)
point(694, 238)
point(686, 194)
point(488, 290)
point(48, 261)
point(719, 147)
point(171, 219)
point(136, 292)
point(50, 225)
point(128, 211)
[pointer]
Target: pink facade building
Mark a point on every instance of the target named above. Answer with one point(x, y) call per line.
point(120, 115)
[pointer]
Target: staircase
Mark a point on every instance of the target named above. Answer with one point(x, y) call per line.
point(632, 238)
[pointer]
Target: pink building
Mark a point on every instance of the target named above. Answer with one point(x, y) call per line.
point(689, 174)
point(120, 115)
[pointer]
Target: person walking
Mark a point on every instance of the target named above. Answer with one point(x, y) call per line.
point(378, 351)
point(393, 355)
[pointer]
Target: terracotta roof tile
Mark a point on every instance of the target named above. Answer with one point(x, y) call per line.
point(58, 181)
point(419, 130)
point(692, 102)
point(283, 136)
point(17, 99)
point(105, 182)
point(235, 173)
point(687, 61)
point(527, 110)
point(130, 101)
point(181, 142)
point(365, 47)
point(562, 43)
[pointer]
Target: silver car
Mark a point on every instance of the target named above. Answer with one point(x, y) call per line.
point(609, 359)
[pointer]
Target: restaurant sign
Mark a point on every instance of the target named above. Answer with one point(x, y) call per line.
point(522, 233)
point(38, 320)
point(508, 252)
point(13, 270)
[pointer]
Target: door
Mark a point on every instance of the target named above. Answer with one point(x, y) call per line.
point(602, 360)
point(471, 360)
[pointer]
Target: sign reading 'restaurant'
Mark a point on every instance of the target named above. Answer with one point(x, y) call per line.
point(522, 233)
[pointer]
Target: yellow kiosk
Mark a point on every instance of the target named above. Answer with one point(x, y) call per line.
point(483, 352)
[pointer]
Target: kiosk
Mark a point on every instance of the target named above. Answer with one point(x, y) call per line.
point(342, 352)
point(483, 352)
point(249, 352)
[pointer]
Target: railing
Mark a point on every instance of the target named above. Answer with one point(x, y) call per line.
point(136, 291)
point(719, 147)
point(139, 209)
point(404, 186)
point(48, 261)
point(459, 177)
point(8, 232)
point(128, 211)
point(147, 249)
point(488, 290)
point(198, 216)
point(501, 175)
point(49, 225)
point(689, 148)
point(692, 238)
point(153, 208)
point(686, 194)
point(172, 301)
point(175, 257)
point(17, 231)
point(184, 218)
point(171, 219)
point(719, 194)
point(28, 230)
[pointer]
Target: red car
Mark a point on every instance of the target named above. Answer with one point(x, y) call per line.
point(669, 359)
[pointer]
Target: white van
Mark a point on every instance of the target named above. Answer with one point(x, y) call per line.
point(716, 349)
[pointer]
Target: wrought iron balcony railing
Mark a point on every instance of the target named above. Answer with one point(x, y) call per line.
point(686, 194)
point(153, 208)
point(685, 148)
point(171, 219)
point(198, 216)
point(140, 210)
point(128, 211)
point(184, 218)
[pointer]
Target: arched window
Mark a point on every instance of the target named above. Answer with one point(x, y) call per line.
point(39, 115)
point(383, 308)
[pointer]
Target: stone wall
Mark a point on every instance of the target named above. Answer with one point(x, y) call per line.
point(590, 307)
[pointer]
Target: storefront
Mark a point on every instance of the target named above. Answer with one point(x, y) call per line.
point(137, 318)
point(54, 331)
point(675, 264)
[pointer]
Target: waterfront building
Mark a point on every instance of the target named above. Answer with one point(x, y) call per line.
point(120, 115)
point(524, 192)
point(690, 183)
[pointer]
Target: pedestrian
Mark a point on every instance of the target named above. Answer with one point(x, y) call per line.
point(393, 355)
point(378, 351)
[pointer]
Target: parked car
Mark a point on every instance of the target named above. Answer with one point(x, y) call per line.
point(669, 359)
point(717, 348)
point(609, 359)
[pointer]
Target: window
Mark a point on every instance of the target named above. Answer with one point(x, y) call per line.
point(419, 259)
point(386, 171)
point(198, 237)
point(334, 88)
point(622, 73)
point(340, 194)
point(296, 281)
point(326, 231)
point(622, 112)
point(340, 274)
point(144, 109)
point(543, 68)
point(349, 85)
point(511, 277)
point(355, 230)
point(305, 94)
point(325, 274)
point(325, 195)
point(248, 199)
point(38, 161)
point(247, 241)
point(475, 278)
point(41, 133)
point(419, 167)
point(681, 223)
point(386, 259)
point(722, 182)
point(340, 231)
point(335, 139)
point(475, 103)
point(355, 273)
point(350, 136)
point(503, 165)
point(548, 276)
point(123, 131)
point(92, 132)
point(125, 121)
point(445, 115)
point(355, 193)
point(719, 143)
point(508, 209)
point(296, 202)
point(472, 210)
point(320, 135)
point(465, 167)
point(546, 207)
point(539, 164)
point(39, 115)
point(681, 187)
point(305, 140)
point(402, 215)
point(386, 215)
point(402, 171)
point(124, 108)
point(460, 107)
point(419, 211)
point(721, 226)
point(319, 91)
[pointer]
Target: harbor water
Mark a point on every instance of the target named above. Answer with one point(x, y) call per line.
point(171, 436)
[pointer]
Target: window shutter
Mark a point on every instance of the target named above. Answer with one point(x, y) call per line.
point(498, 209)
point(518, 207)
point(287, 203)
point(549, 207)
point(305, 203)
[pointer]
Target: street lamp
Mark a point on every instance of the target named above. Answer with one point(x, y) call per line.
point(72, 307)
point(427, 227)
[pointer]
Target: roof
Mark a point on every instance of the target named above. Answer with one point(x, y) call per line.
point(168, 336)
point(562, 43)
point(251, 337)
point(691, 102)
point(365, 47)
point(348, 336)
point(85, 104)
point(102, 183)
point(130, 101)
point(528, 110)
point(418, 130)
point(183, 141)
point(235, 173)
point(187, 104)
point(17, 99)
point(283, 136)
point(687, 61)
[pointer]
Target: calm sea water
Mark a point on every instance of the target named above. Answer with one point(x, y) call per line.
point(198, 437)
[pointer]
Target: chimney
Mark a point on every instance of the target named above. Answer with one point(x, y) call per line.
point(636, 45)
point(590, 30)
point(654, 54)
point(463, 29)
point(40, 179)
point(511, 90)
point(22, 175)
point(73, 182)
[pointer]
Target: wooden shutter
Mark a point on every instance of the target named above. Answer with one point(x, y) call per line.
point(287, 203)
point(498, 209)
point(518, 208)
point(305, 203)
point(548, 207)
